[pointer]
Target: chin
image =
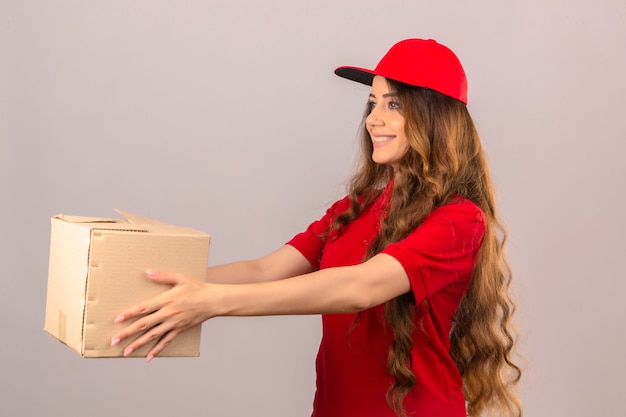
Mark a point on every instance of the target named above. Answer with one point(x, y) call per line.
point(385, 161)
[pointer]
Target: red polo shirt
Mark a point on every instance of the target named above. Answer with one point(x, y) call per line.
point(437, 257)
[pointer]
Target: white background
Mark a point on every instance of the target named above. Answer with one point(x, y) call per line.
point(225, 116)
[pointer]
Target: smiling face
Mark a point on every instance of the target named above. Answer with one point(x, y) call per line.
point(385, 124)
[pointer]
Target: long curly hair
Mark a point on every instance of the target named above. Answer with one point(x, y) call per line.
point(444, 159)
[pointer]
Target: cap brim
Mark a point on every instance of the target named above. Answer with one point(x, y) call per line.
point(360, 75)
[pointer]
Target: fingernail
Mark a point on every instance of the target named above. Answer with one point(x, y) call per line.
point(128, 351)
point(119, 319)
point(149, 358)
point(115, 341)
point(151, 273)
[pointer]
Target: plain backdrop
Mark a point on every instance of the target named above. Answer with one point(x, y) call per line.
point(225, 116)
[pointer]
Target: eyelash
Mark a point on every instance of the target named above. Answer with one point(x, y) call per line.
point(393, 105)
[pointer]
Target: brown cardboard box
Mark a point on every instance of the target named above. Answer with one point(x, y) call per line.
point(97, 269)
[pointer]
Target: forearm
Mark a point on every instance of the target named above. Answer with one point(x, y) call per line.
point(242, 272)
point(333, 290)
point(283, 263)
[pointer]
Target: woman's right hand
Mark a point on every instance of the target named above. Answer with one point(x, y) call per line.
point(166, 315)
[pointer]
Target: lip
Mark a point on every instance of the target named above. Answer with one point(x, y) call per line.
point(381, 140)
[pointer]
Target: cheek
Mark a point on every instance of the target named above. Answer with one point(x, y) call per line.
point(403, 145)
point(399, 125)
point(399, 128)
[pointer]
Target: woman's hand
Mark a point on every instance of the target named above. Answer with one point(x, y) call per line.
point(165, 316)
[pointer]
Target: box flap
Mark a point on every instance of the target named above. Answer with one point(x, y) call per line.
point(137, 219)
point(103, 223)
point(131, 223)
point(156, 226)
point(84, 219)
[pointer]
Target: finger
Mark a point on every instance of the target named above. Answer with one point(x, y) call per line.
point(141, 309)
point(162, 277)
point(153, 304)
point(162, 344)
point(155, 333)
point(139, 326)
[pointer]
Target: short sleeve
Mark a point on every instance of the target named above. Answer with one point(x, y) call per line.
point(310, 243)
point(441, 251)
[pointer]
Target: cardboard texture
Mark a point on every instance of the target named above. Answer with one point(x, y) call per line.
point(97, 269)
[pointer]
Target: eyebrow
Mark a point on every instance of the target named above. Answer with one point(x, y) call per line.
point(387, 95)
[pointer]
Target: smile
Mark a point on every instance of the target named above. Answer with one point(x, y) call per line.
point(379, 139)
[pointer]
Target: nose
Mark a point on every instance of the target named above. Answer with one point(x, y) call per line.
point(374, 118)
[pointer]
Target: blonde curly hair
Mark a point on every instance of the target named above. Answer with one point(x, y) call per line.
point(444, 159)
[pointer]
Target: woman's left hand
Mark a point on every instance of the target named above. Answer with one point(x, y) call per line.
point(165, 316)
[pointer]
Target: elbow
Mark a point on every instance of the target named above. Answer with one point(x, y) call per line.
point(359, 293)
point(360, 300)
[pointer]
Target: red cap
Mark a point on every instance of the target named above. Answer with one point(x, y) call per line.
point(418, 62)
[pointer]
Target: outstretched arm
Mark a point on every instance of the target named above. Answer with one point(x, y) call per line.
point(191, 301)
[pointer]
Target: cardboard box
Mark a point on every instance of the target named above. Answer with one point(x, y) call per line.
point(97, 269)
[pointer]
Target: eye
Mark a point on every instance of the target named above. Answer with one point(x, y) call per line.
point(370, 106)
point(394, 105)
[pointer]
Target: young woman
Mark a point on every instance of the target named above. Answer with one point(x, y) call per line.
point(407, 270)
